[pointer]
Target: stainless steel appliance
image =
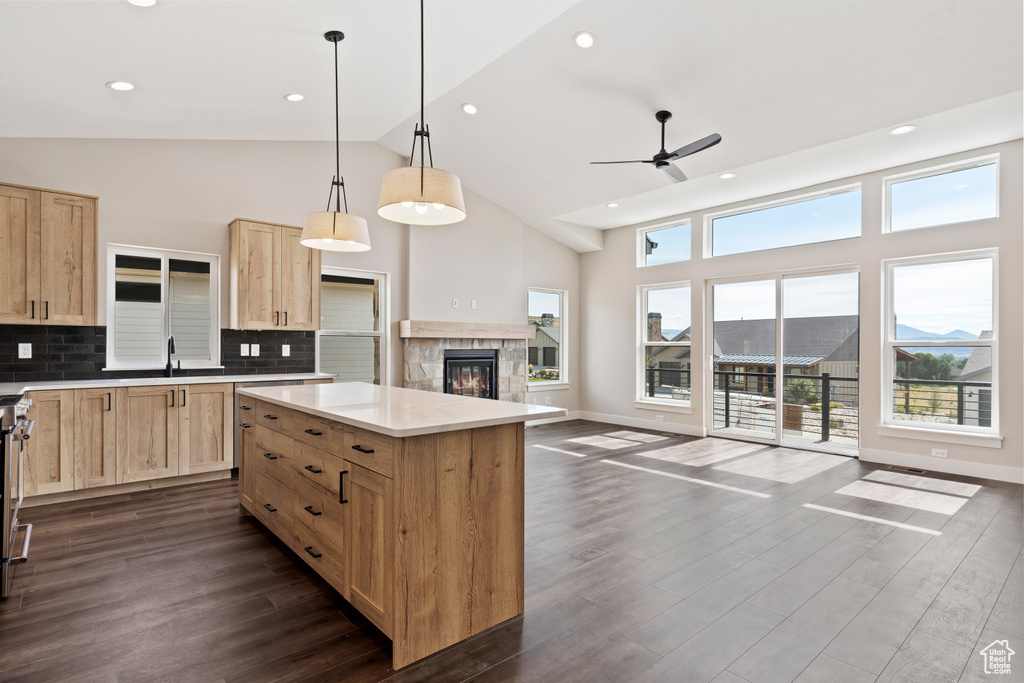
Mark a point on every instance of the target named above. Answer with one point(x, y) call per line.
point(15, 429)
point(244, 385)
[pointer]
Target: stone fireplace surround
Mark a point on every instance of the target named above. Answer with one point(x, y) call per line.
point(424, 344)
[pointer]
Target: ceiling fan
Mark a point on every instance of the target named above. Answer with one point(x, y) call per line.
point(663, 159)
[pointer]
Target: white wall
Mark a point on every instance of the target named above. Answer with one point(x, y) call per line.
point(608, 320)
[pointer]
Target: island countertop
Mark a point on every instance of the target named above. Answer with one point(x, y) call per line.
point(399, 412)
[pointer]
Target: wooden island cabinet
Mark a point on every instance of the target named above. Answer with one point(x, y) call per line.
point(409, 503)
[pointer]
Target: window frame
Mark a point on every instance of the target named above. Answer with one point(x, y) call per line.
point(563, 335)
point(890, 343)
point(383, 280)
point(642, 400)
point(165, 255)
point(641, 235)
point(709, 218)
point(942, 169)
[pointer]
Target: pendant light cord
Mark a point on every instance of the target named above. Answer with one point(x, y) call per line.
point(423, 127)
point(337, 140)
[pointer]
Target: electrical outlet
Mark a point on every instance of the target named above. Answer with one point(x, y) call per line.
point(455, 303)
point(659, 418)
point(547, 400)
point(534, 401)
point(24, 350)
point(254, 349)
point(472, 304)
point(243, 350)
point(940, 453)
point(286, 349)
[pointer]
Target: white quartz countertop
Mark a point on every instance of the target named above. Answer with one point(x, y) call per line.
point(399, 412)
point(10, 388)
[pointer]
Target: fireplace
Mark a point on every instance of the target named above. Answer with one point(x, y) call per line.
point(471, 372)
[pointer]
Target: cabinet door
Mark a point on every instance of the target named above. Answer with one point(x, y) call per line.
point(95, 437)
point(370, 549)
point(67, 246)
point(147, 433)
point(49, 452)
point(246, 449)
point(19, 235)
point(257, 292)
point(300, 282)
point(205, 434)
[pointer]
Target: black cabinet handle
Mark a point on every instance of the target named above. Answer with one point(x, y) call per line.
point(314, 432)
point(341, 486)
point(270, 417)
point(277, 317)
point(33, 309)
point(173, 392)
point(244, 425)
point(310, 468)
point(309, 549)
point(244, 408)
point(109, 402)
point(182, 391)
point(270, 456)
point(309, 509)
point(47, 310)
point(286, 318)
point(362, 449)
point(269, 509)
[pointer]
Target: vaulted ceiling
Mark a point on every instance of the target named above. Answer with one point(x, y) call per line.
point(802, 91)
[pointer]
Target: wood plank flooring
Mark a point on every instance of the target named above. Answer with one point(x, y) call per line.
point(649, 557)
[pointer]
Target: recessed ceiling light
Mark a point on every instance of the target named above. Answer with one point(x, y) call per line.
point(294, 97)
point(120, 85)
point(900, 130)
point(469, 108)
point(584, 39)
point(611, 205)
point(143, 3)
point(726, 176)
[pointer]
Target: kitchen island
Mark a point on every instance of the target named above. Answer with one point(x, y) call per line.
point(409, 503)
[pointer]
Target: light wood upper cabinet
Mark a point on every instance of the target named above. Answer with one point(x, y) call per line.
point(50, 249)
point(147, 433)
point(50, 451)
point(205, 434)
point(275, 281)
point(95, 437)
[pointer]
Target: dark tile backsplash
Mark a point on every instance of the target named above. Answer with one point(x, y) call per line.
point(66, 352)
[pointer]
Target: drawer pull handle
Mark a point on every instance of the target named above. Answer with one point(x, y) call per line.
point(309, 509)
point(309, 549)
point(269, 509)
point(244, 425)
point(270, 417)
point(244, 408)
point(310, 468)
point(314, 432)
point(270, 456)
point(362, 449)
point(341, 487)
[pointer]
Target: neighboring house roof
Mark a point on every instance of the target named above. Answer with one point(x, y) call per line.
point(554, 332)
point(980, 361)
point(805, 337)
point(761, 359)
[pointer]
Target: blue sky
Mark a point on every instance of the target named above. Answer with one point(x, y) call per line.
point(673, 245)
point(968, 194)
point(539, 303)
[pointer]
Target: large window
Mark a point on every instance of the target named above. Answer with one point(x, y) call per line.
point(822, 218)
point(352, 342)
point(664, 245)
point(155, 294)
point(965, 192)
point(665, 369)
point(546, 351)
point(941, 345)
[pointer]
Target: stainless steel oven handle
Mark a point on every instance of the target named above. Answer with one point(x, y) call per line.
point(23, 557)
point(29, 424)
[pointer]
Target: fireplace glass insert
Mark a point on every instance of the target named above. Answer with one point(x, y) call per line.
point(471, 372)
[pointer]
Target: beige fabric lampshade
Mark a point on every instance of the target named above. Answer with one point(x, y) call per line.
point(440, 203)
point(332, 231)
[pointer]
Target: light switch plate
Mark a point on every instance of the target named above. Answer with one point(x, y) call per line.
point(455, 303)
point(254, 349)
point(472, 303)
point(24, 350)
point(243, 350)
point(940, 453)
point(286, 349)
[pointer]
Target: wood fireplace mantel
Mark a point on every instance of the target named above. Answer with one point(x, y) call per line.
point(433, 329)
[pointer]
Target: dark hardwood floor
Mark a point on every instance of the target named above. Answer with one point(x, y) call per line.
point(649, 557)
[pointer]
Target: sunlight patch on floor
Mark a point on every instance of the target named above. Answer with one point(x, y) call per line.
point(605, 442)
point(869, 518)
point(559, 450)
point(636, 436)
point(919, 500)
point(690, 479)
point(684, 455)
point(956, 488)
point(784, 465)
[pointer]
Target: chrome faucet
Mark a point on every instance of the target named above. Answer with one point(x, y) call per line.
point(169, 370)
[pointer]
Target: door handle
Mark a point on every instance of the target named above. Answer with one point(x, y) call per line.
point(341, 486)
point(310, 468)
point(182, 397)
point(286, 318)
point(270, 456)
point(109, 402)
point(173, 392)
point(47, 310)
point(362, 449)
point(309, 549)
point(33, 309)
point(277, 317)
point(309, 509)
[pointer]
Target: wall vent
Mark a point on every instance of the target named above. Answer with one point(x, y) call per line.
point(912, 470)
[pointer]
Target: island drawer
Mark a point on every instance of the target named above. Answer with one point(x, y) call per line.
point(272, 454)
point(327, 435)
point(322, 470)
point(274, 417)
point(371, 450)
point(272, 504)
point(319, 512)
point(327, 559)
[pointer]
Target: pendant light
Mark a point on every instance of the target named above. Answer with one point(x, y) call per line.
point(336, 230)
point(421, 195)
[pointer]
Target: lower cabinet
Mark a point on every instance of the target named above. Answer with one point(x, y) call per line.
point(147, 433)
point(205, 433)
point(369, 520)
point(50, 449)
point(95, 437)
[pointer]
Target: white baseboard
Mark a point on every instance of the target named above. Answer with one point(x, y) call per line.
point(1014, 475)
point(675, 428)
point(573, 415)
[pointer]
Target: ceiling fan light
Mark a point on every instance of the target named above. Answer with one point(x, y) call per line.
point(439, 203)
point(333, 231)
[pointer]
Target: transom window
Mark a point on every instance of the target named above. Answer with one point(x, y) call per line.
point(965, 192)
point(664, 244)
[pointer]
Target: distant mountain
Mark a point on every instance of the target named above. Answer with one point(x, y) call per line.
point(907, 332)
point(668, 334)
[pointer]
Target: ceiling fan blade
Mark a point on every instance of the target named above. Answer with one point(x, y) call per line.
point(632, 161)
point(694, 147)
point(673, 172)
